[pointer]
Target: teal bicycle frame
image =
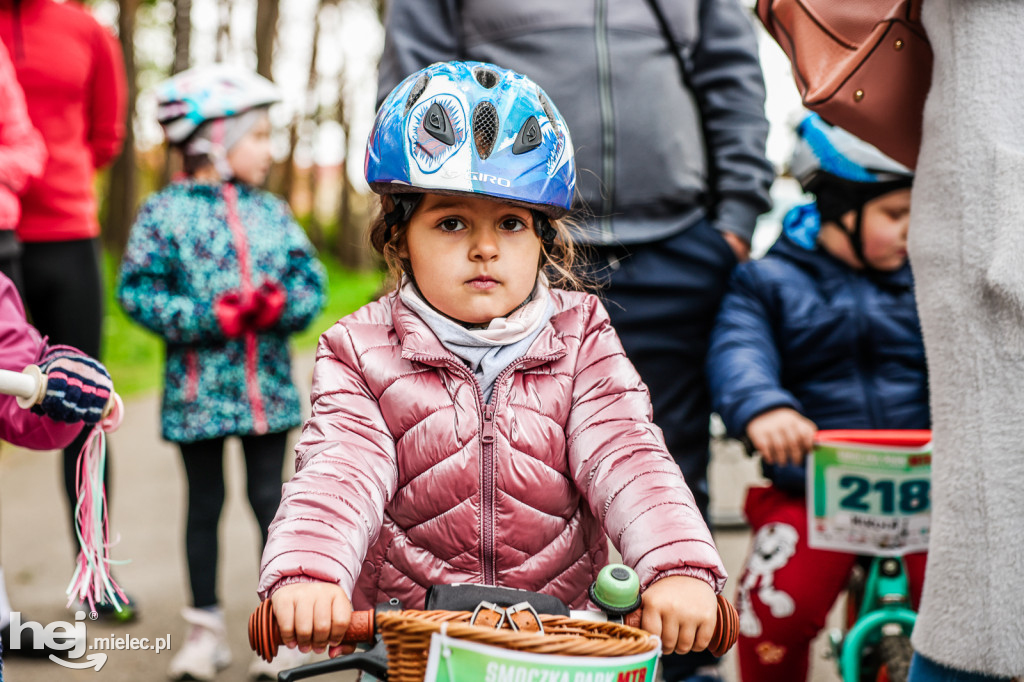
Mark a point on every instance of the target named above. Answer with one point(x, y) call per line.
point(886, 600)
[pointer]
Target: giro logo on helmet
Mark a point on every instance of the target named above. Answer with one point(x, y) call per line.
point(492, 179)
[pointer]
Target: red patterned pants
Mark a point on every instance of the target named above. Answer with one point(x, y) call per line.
point(787, 589)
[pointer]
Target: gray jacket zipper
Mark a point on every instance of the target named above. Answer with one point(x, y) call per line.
point(604, 85)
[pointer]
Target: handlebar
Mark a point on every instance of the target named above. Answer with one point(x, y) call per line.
point(906, 438)
point(29, 388)
point(265, 636)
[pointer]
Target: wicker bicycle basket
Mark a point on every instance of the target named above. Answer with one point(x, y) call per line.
point(407, 637)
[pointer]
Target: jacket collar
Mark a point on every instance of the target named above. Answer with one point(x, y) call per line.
point(821, 265)
point(421, 345)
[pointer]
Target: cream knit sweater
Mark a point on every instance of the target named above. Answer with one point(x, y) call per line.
point(967, 249)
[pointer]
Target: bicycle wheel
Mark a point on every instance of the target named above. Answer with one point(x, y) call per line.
point(895, 652)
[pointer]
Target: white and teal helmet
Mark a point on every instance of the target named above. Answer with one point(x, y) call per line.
point(189, 99)
point(473, 128)
point(841, 170)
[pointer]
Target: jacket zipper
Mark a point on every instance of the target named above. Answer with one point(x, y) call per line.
point(252, 343)
point(604, 86)
point(486, 453)
point(191, 375)
point(861, 349)
point(487, 491)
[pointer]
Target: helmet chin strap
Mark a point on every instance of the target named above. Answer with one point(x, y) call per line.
point(856, 240)
point(405, 205)
point(879, 277)
point(544, 230)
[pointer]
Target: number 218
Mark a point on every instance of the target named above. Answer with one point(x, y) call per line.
point(911, 496)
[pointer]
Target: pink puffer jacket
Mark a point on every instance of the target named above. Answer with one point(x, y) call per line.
point(406, 479)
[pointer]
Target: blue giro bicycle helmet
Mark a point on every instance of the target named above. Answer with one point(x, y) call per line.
point(471, 128)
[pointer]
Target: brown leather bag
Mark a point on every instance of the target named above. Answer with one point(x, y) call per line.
point(863, 65)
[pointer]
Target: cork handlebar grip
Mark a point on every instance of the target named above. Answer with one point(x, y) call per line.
point(727, 627)
point(265, 636)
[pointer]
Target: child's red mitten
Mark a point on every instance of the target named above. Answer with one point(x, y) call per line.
point(234, 313)
point(270, 300)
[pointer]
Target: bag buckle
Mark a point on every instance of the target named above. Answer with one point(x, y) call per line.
point(522, 617)
point(488, 615)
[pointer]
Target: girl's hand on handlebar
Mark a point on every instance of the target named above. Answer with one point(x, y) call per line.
point(682, 611)
point(782, 435)
point(313, 617)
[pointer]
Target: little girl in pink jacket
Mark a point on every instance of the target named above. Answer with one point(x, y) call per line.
point(479, 425)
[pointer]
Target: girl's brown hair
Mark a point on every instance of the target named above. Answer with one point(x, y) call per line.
point(560, 262)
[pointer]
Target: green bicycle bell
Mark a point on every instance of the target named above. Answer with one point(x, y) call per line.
point(616, 590)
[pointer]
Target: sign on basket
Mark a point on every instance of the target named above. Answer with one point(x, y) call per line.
point(456, 660)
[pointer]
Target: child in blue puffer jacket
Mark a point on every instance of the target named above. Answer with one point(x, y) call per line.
point(223, 273)
point(820, 333)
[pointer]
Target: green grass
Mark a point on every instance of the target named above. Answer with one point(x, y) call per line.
point(134, 355)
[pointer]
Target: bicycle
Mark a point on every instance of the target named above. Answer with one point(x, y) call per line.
point(876, 643)
point(406, 647)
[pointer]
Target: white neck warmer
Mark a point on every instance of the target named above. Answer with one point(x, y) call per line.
point(485, 351)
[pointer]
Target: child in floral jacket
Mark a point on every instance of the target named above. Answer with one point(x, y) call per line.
point(223, 273)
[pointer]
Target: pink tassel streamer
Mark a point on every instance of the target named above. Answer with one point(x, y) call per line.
point(92, 582)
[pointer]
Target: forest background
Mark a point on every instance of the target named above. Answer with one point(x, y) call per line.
point(323, 54)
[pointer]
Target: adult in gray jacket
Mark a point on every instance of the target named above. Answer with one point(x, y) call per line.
point(670, 145)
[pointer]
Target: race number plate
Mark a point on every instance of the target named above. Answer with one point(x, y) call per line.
point(456, 660)
point(869, 500)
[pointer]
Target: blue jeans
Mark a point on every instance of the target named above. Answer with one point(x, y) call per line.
point(662, 299)
point(923, 669)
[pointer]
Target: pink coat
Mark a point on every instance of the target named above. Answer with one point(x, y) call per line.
point(22, 152)
point(21, 345)
point(404, 478)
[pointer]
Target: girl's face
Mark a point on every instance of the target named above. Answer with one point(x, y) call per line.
point(250, 157)
point(883, 229)
point(474, 259)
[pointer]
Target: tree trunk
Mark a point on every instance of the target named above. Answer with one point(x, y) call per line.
point(349, 237)
point(312, 112)
point(223, 39)
point(182, 36)
point(348, 246)
point(122, 186)
point(266, 36)
point(182, 60)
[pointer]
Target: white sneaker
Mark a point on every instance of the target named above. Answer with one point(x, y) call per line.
point(286, 659)
point(206, 647)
